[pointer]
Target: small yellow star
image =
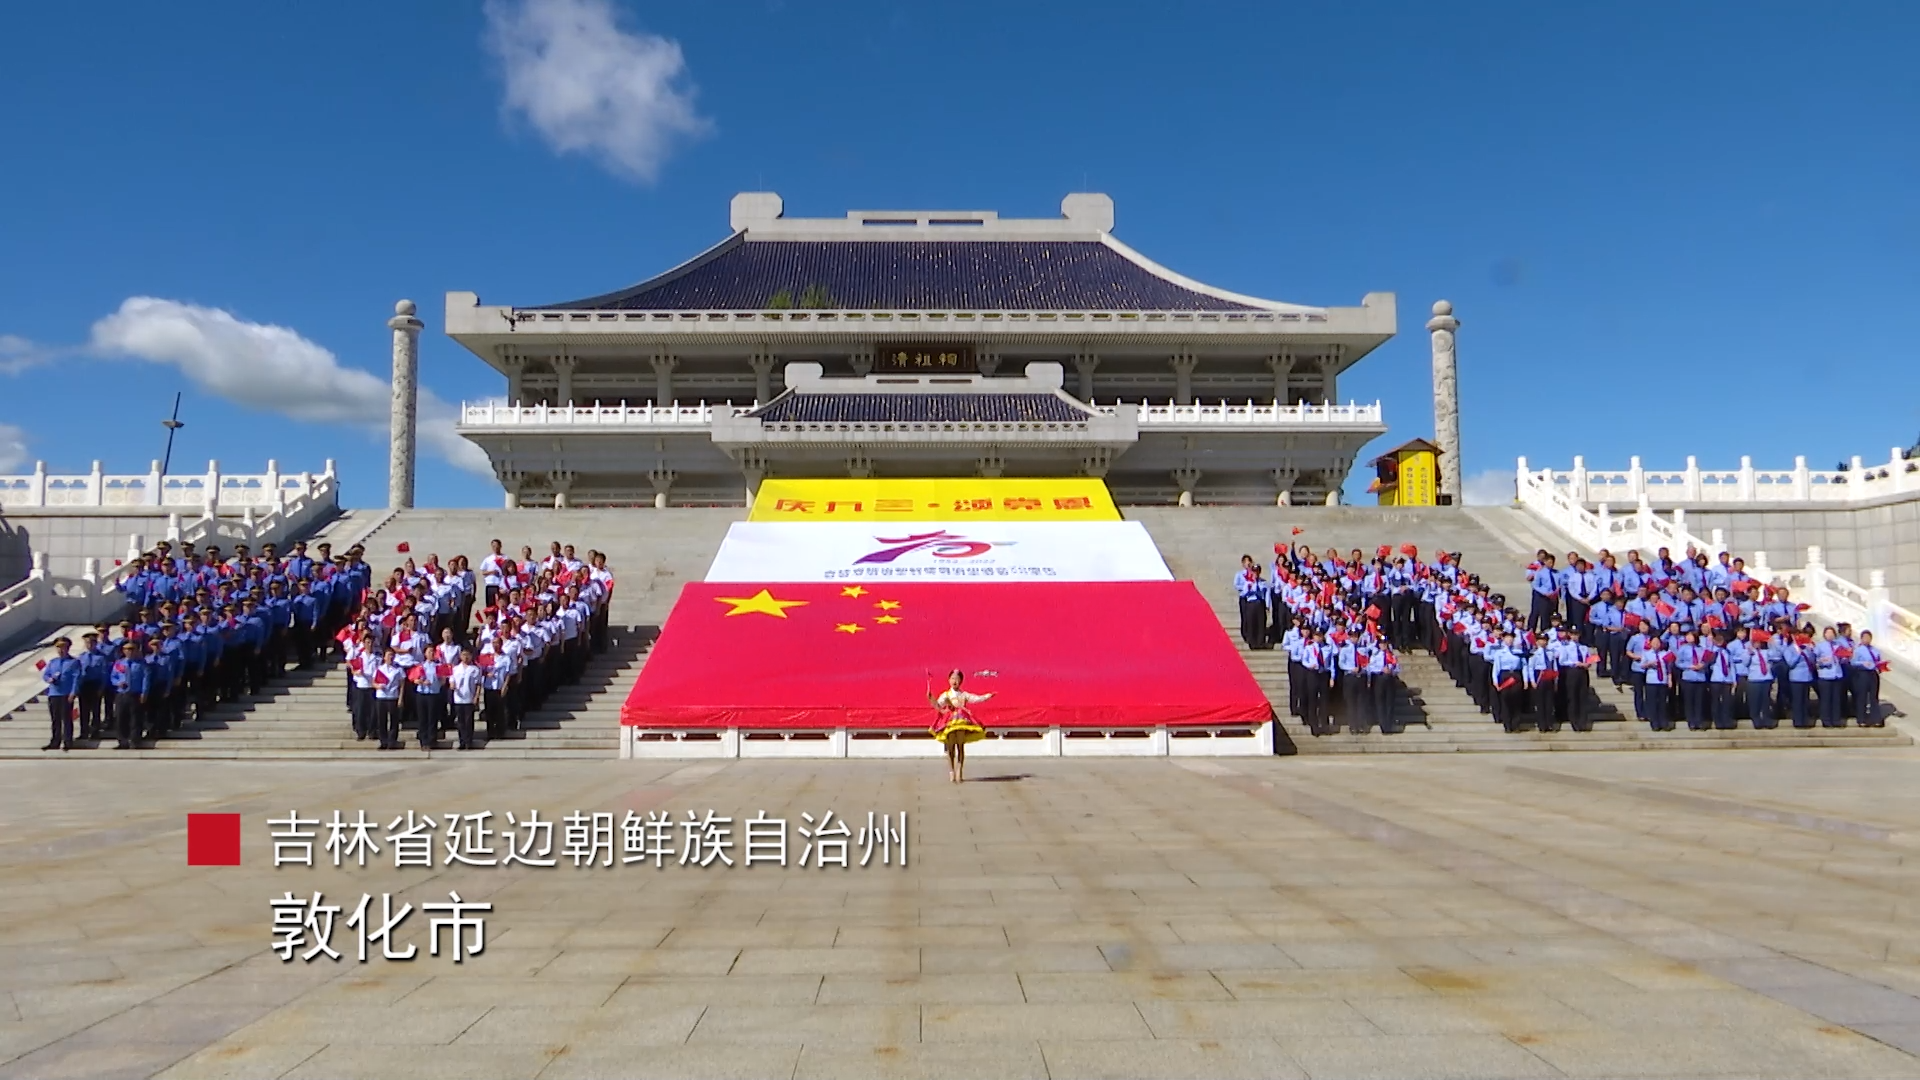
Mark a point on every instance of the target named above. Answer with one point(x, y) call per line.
point(888, 605)
point(849, 628)
point(853, 590)
point(887, 620)
point(760, 603)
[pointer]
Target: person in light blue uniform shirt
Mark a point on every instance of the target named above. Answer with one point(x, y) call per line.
point(1863, 670)
point(1691, 662)
point(1506, 666)
point(1829, 672)
point(1254, 596)
point(1723, 672)
point(1655, 664)
point(1796, 661)
point(61, 674)
point(1543, 582)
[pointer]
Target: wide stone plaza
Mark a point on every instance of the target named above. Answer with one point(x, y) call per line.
point(1632, 914)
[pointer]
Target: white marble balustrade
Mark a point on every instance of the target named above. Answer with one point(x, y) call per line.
point(1860, 481)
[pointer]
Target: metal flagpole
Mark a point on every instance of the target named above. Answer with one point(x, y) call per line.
point(172, 424)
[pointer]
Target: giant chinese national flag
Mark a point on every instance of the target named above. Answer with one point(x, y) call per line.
point(814, 655)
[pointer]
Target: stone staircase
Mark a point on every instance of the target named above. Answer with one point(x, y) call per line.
point(1205, 544)
point(652, 553)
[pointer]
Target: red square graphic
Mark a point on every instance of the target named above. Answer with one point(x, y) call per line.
point(213, 839)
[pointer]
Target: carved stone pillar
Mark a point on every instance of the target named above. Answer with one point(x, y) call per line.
point(1281, 364)
point(515, 367)
point(1183, 363)
point(563, 366)
point(1186, 479)
point(762, 362)
point(562, 482)
point(662, 479)
point(862, 361)
point(1329, 366)
point(1283, 482)
point(1446, 397)
point(753, 466)
point(1084, 364)
point(404, 419)
point(512, 480)
point(663, 366)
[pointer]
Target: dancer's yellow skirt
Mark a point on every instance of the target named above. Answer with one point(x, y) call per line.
point(960, 730)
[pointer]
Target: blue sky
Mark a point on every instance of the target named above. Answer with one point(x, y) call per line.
point(1668, 229)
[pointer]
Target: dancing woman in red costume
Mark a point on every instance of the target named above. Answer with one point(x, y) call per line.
point(954, 724)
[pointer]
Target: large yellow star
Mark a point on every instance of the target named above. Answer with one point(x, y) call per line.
point(887, 620)
point(887, 605)
point(853, 590)
point(760, 603)
point(849, 628)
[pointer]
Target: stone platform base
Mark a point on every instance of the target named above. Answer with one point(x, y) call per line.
point(1227, 740)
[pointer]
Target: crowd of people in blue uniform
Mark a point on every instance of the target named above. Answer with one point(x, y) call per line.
point(1698, 640)
point(1342, 622)
point(202, 628)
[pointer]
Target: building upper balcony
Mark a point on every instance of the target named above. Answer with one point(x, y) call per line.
point(697, 419)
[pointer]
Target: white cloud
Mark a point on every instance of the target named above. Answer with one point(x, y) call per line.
point(272, 369)
point(1493, 487)
point(13, 448)
point(590, 87)
point(17, 354)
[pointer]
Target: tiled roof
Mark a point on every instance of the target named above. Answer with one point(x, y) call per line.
point(792, 408)
point(985, 275)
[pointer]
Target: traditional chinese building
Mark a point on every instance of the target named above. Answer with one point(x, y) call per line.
point(919, 343)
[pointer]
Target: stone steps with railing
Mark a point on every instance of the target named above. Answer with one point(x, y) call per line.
point(1205, 543)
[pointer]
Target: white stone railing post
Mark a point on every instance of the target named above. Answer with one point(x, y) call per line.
point(210, 498)
point(1719, 542)
point(1636, 480)
point(90, 570)
point(154, 493)
point(275, 502)
point(1691, 486)
point(1816, 574)
point(173, 528)
point(37, 492)
point(38, 572)
point(96, 486)
point(1746, 479)
point(1604, 515)
point(1759, 568)
point(1679, 525)
point(1521, 477)
point(1649, 540)
point(1578, 487)
point(1879, 604)
point(1802, 480)
point(135, 545)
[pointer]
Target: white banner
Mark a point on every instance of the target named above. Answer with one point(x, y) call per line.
point(757, 551)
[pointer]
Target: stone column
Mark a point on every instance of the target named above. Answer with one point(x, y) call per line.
point(515, 367)
point(663, 365)
point(511, 479)
point(1283, 479)
point(1281, 364)
point(401, 429)
point(562, 481)
point(1183, 364)
point(1446, 397)
point(563, 366)
point(662, 479)
point(1186, 479)
point(1084, 364)
point(761, 361)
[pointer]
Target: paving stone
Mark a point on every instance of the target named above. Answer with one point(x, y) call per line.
point(1172, 1059)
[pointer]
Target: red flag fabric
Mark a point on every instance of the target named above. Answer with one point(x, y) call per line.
point(1630, 621)
point(827, 655)
point(1761, 637)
